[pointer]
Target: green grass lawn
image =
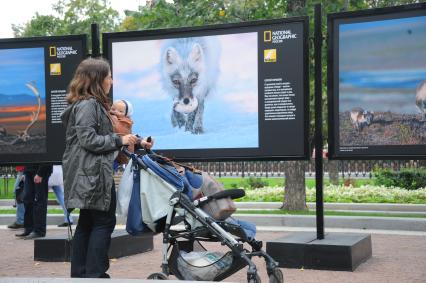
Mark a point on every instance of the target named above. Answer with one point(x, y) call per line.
point(49, 211)
point(6, 189)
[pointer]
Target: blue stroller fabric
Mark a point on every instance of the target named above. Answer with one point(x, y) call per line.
point(134, 223)
point(194, 179)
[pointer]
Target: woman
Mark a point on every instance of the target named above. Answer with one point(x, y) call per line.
point(91, 147)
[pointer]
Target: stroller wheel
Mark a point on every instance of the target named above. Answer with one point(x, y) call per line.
point(276, 276)
point(255, 279)
point(158, 276)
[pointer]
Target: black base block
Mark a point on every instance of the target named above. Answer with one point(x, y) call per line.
point(337, 251)
point(58, 248)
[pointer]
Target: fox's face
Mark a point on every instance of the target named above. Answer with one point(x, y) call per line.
point(184, 75)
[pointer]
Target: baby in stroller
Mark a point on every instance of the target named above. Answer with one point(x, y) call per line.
point(190, 208)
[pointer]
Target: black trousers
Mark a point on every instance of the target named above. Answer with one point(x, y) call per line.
point(92, 240)
point(35, 203)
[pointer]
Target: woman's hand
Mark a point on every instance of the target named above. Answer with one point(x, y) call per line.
point(147, 144)
point(37, 179)
point(128, 139)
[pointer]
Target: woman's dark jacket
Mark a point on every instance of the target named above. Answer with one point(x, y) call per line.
point(43, 170)
point(89, 154)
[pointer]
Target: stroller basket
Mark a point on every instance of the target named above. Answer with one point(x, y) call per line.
point(199, 264)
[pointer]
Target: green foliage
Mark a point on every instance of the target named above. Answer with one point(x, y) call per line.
point(342, 194)
point(234, 183)
point(254, 183)
point(71, 17)
point(410, 179)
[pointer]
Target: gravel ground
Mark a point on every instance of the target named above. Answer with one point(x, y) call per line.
point(396, 258)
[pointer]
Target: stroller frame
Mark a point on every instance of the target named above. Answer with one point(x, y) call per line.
point(211, 230)
point(169, 236)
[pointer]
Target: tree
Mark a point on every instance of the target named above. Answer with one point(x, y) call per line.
point(71, 17)
point(295, 191)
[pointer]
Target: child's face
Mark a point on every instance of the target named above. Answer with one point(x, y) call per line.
point(118, 109)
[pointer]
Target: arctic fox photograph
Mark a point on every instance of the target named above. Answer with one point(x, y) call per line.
point(192, 92)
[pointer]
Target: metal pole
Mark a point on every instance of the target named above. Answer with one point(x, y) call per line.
point(318, 123)
point(95, 41)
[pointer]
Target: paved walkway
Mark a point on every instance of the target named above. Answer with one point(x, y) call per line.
point(396, 258)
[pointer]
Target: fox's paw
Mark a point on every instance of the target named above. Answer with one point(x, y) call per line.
point(197, 131)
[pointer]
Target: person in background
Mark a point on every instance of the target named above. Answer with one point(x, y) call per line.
point(18, 191)
point(35, 200)
point(56, 183)
point(88, 166)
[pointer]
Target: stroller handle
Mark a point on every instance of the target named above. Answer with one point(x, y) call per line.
point(233, 194)
point(131, 155)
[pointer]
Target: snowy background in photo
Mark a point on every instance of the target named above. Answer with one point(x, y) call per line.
point(230, 113)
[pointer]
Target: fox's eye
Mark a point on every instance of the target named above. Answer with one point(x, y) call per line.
point(194, 80)
point(176, 82)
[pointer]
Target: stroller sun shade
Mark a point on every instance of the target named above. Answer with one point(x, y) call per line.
point(167, 172)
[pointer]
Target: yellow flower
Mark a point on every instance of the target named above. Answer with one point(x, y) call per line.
point(221, 12)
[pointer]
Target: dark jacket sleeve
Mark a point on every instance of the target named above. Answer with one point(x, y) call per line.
point(86, 123)
point(44, 170)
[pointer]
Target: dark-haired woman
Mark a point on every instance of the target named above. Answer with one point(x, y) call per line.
point(91, 147)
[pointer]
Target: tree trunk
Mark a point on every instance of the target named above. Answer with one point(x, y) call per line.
point(333, 172)
point(295, 190)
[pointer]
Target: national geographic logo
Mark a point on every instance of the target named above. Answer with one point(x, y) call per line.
point(52, 51)
point(55, 69)
point(278, 36)
point(269, 55)
point(267, 36)
point(62, 52)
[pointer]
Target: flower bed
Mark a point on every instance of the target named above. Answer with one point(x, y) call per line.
point(362, 194)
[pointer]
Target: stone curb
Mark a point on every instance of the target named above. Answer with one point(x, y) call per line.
point(344, 222)
point(342, 206)
point(350, 222)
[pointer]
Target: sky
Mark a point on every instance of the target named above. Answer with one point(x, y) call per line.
point(21, 11)
point(19, 66)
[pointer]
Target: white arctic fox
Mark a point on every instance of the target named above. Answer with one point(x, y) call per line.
point(189, 68)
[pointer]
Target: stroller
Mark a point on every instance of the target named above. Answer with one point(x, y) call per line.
point(169, 206)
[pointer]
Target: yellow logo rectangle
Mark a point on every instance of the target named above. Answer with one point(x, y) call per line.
point(270, 55)
point(267, 36)
point(55, 69)
point(52, 51)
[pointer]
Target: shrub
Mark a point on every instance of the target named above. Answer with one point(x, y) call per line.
point(410, 179)
point(363, 194)
point(255, 183)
